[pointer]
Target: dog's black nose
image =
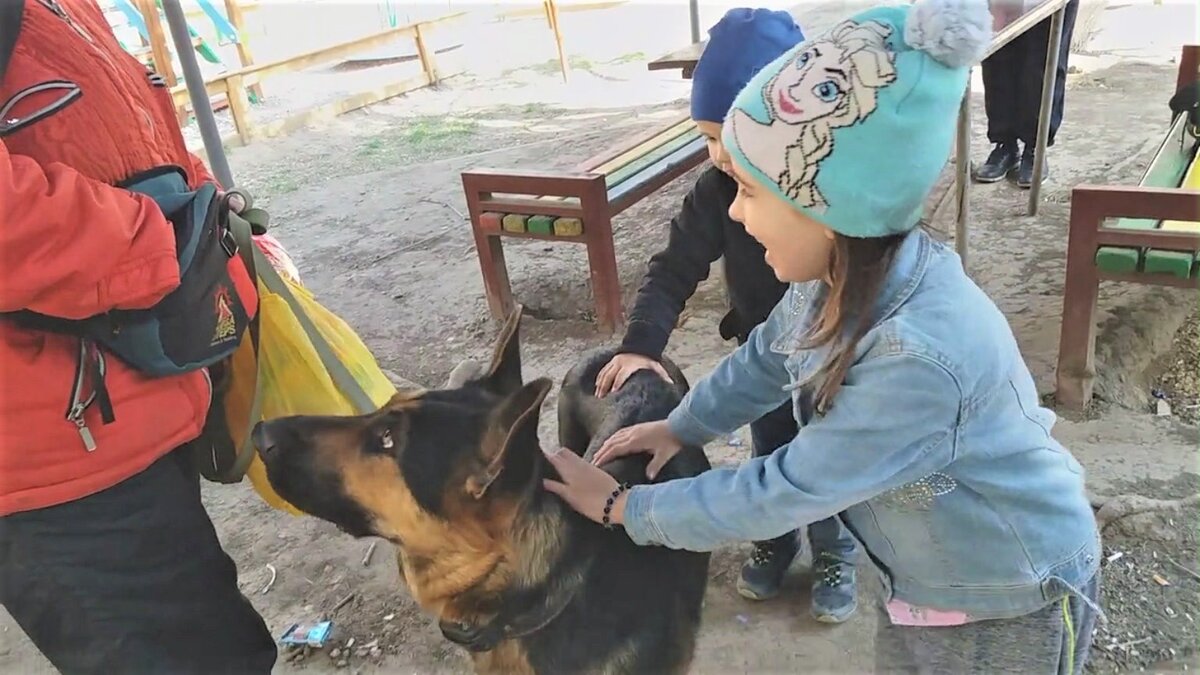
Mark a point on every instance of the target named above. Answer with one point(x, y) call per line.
point(262, 439)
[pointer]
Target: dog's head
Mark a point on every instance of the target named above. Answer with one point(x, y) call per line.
point(443, 474)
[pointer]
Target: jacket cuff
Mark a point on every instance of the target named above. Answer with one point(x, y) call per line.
point(689, 430)
point(639, 518)
point(644, 338)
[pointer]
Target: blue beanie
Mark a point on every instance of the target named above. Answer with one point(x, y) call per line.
point(853, 127)
point(739, 45)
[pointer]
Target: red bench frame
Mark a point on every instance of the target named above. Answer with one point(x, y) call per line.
point(1091, 205)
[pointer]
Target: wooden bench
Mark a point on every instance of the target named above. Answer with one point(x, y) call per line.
point(576, 206)
point(1153, 240)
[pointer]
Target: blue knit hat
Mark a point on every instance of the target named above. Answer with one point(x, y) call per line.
point(739, 45)
point(853, 127)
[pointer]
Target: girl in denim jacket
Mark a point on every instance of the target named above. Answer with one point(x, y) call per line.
point(918, 419)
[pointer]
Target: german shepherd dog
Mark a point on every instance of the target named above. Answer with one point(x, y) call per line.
point(453, 478)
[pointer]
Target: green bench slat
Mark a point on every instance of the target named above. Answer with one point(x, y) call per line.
point(1175, 263)
point(624, 173)
point(631, 153)
point(1117, 260)
point(679, 156)
point(1167, 169)
point(653, 158)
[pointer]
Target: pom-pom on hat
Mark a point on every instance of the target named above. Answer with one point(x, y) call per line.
point(739, 45)
point(852, 127)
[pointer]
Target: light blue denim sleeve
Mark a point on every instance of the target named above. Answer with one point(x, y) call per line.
point(892, 423)
point(744, 386)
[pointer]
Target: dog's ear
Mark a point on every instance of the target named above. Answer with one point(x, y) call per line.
point(512, 427)
point(504, 374)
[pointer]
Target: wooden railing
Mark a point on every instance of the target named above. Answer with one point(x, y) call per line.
point(233, 84)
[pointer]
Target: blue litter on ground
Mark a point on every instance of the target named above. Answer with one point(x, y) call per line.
point(311, 634)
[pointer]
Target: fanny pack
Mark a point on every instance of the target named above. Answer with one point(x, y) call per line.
point(196, 326)
point(199, 323)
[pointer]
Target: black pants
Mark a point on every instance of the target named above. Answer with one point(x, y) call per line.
point(131, 580)
point(775, 430)
point(1012, 83)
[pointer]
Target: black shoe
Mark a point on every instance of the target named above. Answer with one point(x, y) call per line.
point(999, 164)
point(1025, 172)
point(763, 573)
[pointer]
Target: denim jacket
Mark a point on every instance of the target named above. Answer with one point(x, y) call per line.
point(935, 451)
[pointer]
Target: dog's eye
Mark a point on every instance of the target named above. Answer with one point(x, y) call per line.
point(385, 439)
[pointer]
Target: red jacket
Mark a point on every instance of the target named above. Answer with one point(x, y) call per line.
point(72, 246)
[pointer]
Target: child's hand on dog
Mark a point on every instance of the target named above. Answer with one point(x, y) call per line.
point(652, 437)
point(622, 366)
point(585, 488)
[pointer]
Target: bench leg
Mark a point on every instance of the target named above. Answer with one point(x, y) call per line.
point(496, 285)
point(1077, 342)
point(602, 264)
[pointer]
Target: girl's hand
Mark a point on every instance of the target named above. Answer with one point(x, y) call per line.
point(584, 487)
point(652, 437)
point(613, 375)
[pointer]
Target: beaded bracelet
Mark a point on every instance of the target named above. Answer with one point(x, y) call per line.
point(608, 505)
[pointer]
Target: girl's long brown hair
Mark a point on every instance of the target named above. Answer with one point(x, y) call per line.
point(856, 275)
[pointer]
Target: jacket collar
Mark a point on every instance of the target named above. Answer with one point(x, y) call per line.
point(907, 270)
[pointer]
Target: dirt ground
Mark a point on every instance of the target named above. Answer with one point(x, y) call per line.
point(371, 207)
point(1150, 588)
point(1179, 382)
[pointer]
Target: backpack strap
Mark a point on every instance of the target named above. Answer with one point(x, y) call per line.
point(216, 427)
point(11, 14)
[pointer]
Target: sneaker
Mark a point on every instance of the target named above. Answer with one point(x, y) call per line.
point(834, 597)
point(763, 573)
point(999, 164)
point(1025, 172)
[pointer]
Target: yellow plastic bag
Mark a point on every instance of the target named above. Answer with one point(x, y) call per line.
point(295, 372)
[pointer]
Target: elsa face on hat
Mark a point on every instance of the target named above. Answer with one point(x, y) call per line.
point(843, 136)
point(829, 84)
point(834, 77)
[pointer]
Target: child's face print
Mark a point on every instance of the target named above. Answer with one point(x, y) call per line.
point(798, 248)
point(812, 86)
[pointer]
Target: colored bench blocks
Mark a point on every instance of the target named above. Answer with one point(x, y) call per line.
point(549, 226)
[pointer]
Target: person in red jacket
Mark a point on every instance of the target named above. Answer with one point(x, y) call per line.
point(108, 560)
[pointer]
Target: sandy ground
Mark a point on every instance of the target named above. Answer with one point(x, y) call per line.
point(371, 207)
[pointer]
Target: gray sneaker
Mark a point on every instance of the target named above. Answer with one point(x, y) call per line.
point(834, 596)
point(763, 573)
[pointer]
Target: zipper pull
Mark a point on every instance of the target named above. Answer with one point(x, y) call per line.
point(76, 417)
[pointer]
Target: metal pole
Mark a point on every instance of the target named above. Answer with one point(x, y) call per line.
point(962, 171)
point(694, 9)
point(201, 105)
point(1043, 130)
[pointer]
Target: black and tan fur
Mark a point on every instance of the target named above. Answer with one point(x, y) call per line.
point(453, 478)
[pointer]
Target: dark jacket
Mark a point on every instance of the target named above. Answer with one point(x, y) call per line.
point(701, 233)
